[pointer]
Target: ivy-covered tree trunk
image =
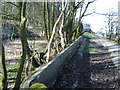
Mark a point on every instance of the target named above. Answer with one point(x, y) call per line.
point(4, 71)
point(23, 38)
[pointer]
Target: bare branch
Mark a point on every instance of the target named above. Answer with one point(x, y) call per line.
point(89, 14)
point(13, 4)
point(78, 4)
point(87, 7)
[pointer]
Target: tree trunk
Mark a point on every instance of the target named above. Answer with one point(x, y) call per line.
point(4, 71)
point(53, 16)
point(44, 10)
point(48, 19)
point(61, 32)
point(69, 26)
point(23, 38)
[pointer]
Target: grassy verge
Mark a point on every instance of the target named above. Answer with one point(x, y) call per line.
point(12, 70)
point(92, 36)
point(93, 49)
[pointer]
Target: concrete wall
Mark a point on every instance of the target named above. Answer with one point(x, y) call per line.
point(48, 73)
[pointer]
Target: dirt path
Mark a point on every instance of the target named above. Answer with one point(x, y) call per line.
point(96, 70)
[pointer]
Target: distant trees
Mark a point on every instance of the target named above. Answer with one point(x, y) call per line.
point(113, 26)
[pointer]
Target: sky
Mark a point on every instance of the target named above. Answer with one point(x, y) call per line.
point(97, 22)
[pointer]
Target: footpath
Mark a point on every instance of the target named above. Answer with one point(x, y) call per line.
point(113, 49)
point(97, 69)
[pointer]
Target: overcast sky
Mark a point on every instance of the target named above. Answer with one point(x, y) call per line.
point(100, 6)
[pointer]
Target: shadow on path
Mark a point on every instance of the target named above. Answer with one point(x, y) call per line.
point(93, 71)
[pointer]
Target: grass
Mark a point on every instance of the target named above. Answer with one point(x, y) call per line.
point(12, 70)
point(92, 36)
point(12, 75)
point(92, 49)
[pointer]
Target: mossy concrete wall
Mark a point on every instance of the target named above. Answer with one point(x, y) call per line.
point(48, 73)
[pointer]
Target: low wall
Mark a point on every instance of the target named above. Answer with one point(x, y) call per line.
point(48, 73)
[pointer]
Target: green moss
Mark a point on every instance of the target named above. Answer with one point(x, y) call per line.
point(0, 84)
point(85, 51)
point(38, 86)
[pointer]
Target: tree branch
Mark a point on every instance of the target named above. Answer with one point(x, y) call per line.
point(13, 4)
point(9, 16)
point(87, 7)
point(89, 14)
point(78, 4)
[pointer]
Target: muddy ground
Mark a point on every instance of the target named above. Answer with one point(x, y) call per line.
point(95, 70)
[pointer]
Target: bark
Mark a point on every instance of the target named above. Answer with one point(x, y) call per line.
point(48, 19)
point(4, 71)
point(53, 33)
point(61, 32)
point(44, 10)
point(23, 38)
point(70, 27)
point(53, 16)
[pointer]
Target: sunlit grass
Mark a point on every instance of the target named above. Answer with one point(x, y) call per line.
point(92, 36)
point(93, 49)
point(12, 70)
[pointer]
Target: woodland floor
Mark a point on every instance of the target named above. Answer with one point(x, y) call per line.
point(95, 70)
point(13, 49)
